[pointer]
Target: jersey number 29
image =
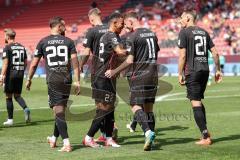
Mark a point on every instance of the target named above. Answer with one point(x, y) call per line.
point(60, 51)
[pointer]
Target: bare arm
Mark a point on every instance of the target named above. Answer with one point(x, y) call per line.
point(124, 65)
point(216, 58)
point(4, 71)
point(84, 57)
point(218, 74)
point(33, 67)
point(181, 64)
point(75, 65)
point(32, 71)
point(76, 71)
point(4, 67)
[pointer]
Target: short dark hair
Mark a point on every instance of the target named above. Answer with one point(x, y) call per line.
point(131, 14)
point(55, 21)
point(192, 12)
point(10, 33)
point(114, 16)
point(94, 11)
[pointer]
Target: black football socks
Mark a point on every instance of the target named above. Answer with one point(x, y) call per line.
point(142, 119)
point(9, 103)
point(151, 121)
point(200, 121)
point(21, 102)
point(61, 125)
point(97, 122)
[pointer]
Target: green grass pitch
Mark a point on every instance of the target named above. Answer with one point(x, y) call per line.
point(176, 129)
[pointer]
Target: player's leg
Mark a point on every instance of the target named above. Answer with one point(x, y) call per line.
point(196, 85)
point(10, 108)
point(97, 122)
point(61, 124)
point(109, 125)
point(148, 108)
point(8, 89)
point(22, 103)
point(142, 119)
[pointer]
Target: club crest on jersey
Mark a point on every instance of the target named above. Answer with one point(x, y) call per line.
point(114, 40)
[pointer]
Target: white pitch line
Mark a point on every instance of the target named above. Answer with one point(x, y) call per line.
point(163, 98)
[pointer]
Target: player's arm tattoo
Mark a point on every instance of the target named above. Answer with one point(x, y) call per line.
point(33, 67)
point(75, 65)
point(181, 60)
point(216, 58)
point(84, 58)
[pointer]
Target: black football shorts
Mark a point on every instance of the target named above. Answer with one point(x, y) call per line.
point(196, 83)
point(143, 89)
point(14, 83)
point(104, 90)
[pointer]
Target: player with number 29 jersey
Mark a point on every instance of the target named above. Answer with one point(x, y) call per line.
point(56, 50)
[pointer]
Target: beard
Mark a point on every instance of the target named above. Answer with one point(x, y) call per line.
point(62, 33)
point(6, 42)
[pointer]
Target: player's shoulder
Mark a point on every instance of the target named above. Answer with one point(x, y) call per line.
point(107, 35)
point(67, 39)
point(143, 32)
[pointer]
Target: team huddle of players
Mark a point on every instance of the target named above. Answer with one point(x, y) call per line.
point(136, 52)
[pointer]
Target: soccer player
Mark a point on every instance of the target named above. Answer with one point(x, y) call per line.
point(143, 52)
point(58, 52)
point(104, 89)
point(194, 43)
point(14, 65)
point(91, 44)
point(128, 31)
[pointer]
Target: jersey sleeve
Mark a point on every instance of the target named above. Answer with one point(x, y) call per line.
point(182, 40)
point(210, 42)
point(157, 48)
point(5, 53)
point(88, 40)
point(25, 54)
point(113, 40)
point(72, 48)
point(39, 50)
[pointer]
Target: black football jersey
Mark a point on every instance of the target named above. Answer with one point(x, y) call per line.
point(91, 41)
point(197, 43)
point(143, 45)
point(124, 39)
point(56, 50)
point(16, 55)
point(107, 55)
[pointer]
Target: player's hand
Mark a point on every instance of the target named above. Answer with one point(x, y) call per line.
point(218, 76)
point(77, 87)
point(28, 84)
point(110, 73)
point(181, 80)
